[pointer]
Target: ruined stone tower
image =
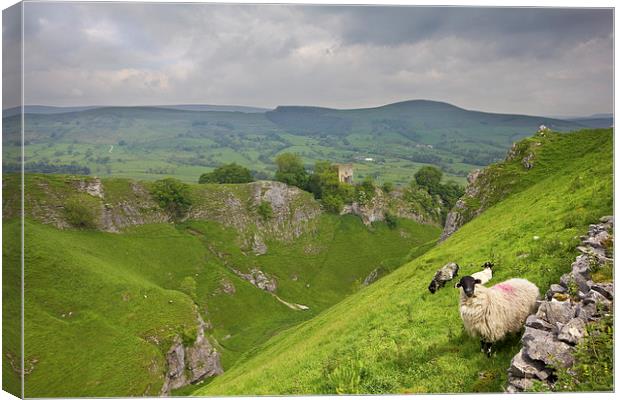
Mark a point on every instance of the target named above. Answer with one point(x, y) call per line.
point(345, 173)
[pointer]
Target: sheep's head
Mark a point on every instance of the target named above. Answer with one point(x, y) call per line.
point(488, 264)
point(433, 286)
point(468, 284)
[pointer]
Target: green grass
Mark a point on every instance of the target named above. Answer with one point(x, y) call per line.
point(395, 337)
point(11, 305)
point(102, 308)
point(146, 143)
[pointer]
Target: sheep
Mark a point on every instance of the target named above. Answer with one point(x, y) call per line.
point(443, 275)
point(486, 274)
point(492, 313)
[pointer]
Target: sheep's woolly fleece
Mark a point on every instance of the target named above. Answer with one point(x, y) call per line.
point(492, 313)
point(443, 275)
point(485, 275)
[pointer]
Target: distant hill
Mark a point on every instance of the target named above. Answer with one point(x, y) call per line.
point(594, 122)
point(416, 119)
point(37, 109)
point(388, 143)
point(600, 120)
point(209, 107)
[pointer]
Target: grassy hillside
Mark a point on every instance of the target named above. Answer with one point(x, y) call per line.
point(102, 308)
point(395, 337)
point(147, 142)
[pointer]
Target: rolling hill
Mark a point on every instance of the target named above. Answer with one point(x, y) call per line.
point(286, 303)
point(104, 306)
point(395, 337)
point(389, 143)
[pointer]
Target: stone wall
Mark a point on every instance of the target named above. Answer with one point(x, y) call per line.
point(560, 322)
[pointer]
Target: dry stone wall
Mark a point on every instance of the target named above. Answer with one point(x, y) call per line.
point(560, 323)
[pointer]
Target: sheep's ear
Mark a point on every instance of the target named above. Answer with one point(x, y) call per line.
point(478, 281)
point(458, 285)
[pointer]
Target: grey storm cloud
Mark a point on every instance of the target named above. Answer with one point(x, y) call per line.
point(523, 60)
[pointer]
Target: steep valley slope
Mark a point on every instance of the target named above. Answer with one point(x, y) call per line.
point(396, 337)
point(109, 309)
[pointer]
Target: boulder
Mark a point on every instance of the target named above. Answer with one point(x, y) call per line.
point(543, 346)
point(519, 385)
point(586, 312)
point(259, 279)
point(595, 251)
point(573, 331)
point(522, 366)
point(227, 286)
point(606, 289)
point(528, 161)
point(566, 280)
point(373, 276)
point(594, 297)
point(581, 266)
point(537, 323)
point(555, 312)
point(258, 245)
point(262, 281)
point(553, 289)
point(597, 240)
point(582, 282)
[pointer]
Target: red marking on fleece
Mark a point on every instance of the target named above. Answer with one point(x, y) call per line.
point(504, 287)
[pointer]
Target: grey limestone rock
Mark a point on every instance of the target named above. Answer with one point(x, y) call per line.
point(556, 311)
point(543, 346)
point(574, 330)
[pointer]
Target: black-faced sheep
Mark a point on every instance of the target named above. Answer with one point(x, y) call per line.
point(443, 275)
point(492, 313)
point(486, 274)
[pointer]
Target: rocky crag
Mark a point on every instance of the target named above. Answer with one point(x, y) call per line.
point(190, 363)
point(486, 187)
point(117, 204)
point(384, 203)
point(293, 211)
point(560, 323)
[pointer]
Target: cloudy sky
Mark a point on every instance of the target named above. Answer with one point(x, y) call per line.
point(535, 61)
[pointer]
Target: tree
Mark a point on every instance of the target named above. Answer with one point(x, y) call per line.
point(450, 192)
point(325, 186)
point(332, 203)
point(79, 213)
point(172, 195)
point(428, 177)
point(228, 173)
point(365, 191)
point(265, 210)
point(387, 187)
point(291, 170)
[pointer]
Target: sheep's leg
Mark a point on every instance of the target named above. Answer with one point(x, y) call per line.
point(485, 347)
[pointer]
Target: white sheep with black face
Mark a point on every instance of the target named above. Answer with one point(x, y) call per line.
point(486, 274)
point(492, 313)
point(443, 275)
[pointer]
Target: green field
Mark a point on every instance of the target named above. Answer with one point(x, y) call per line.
point(147, 143)
point(395, 337)
point(104, 304)
point(101, 309)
